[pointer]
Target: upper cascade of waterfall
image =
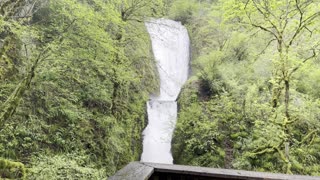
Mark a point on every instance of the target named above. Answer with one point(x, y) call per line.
point(170, 45)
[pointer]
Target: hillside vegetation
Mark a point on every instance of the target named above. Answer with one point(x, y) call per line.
point(75, 76)
point(252, 101)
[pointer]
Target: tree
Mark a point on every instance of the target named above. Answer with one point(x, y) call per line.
point(33, 59)
point(138, 10)
point(252, 81)
point(80, 84)
point(292, 27)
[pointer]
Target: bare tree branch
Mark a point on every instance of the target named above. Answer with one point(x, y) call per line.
point(314, 54)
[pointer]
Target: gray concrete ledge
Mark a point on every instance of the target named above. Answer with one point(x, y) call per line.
point(143, 171)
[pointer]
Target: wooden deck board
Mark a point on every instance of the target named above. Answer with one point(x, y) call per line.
point(134, 171)
point(143, 171)
point(225, 173)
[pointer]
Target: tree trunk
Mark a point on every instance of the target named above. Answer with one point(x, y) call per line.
point(287, 98)
point(11, 104)
point(228, 147)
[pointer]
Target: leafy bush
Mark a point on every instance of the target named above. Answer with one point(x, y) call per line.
point(183, 11)
point(12, 170)
point(66, 166)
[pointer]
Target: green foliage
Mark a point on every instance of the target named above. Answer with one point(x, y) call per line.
point(136, 10)
point(73, 93)
point(252, 101)
point(10, 169)
point(183, 10)
point(75, 76)
point(67, 166)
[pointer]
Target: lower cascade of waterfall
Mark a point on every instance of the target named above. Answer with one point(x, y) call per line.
point(158, 134)
point(170, 45)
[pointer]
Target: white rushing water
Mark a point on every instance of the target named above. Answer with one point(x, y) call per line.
point(170, 44)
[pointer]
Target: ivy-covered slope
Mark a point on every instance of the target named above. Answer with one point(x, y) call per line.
point(74, 79)
point(252, 101)
point(75, 76)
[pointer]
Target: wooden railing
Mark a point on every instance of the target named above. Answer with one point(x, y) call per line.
point(152, 171)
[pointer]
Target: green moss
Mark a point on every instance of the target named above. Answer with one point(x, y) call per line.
point(12, 170)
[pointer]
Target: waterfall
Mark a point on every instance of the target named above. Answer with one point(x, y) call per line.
point(170, 45)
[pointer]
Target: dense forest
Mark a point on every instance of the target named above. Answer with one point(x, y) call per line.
point(75, 76)
point(253, 99)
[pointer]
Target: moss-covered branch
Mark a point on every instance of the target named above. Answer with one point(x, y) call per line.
point(305, 138)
